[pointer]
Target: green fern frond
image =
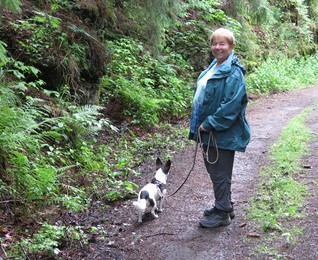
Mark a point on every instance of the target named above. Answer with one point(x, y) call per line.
point(85, 111)
point(3, 52)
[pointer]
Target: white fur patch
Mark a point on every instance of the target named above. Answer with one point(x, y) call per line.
point(161, 176)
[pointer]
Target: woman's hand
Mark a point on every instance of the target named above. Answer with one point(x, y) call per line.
point(201, 129)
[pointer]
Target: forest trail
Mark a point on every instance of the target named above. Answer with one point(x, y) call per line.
point(176, 234)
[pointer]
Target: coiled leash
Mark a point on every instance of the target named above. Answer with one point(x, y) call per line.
point(205, 154)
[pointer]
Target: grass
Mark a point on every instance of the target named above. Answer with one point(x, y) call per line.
point(280, 194)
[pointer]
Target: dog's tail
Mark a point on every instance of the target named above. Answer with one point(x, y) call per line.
point(140, 205)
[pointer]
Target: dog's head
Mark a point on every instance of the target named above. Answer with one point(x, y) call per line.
point(162, 170)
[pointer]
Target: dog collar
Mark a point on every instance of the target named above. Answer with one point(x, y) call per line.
point(161, 186)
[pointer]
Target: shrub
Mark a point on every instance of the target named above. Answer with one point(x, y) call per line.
point(151, 88)
point(282, 74)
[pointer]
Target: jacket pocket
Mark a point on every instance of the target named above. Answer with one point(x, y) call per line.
point(209, 93)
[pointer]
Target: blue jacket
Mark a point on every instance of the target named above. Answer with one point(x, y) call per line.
point(223, 108)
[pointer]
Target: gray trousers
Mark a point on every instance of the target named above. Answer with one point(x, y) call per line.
point(221, 176)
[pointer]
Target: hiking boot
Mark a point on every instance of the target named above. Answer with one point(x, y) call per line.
point(216, 219)
point(209, 212)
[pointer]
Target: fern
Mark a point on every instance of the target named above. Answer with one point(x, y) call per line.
point(3, 56)
point(32, 183)
point(39, 147)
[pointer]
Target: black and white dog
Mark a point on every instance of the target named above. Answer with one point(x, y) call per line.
point(154, 191)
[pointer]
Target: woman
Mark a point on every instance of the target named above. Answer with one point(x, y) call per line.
point(218, 122)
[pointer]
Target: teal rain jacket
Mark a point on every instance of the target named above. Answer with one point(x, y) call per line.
point(223, 108)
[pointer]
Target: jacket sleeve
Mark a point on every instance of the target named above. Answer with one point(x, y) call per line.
point(234, 96)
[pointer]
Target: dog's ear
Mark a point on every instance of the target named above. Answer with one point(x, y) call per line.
point(167, 166)
point(158, 163)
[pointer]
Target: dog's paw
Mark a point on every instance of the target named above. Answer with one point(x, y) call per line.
point(159, 210)
point(154, 215)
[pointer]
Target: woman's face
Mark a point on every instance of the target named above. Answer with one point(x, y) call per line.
point(221, 49)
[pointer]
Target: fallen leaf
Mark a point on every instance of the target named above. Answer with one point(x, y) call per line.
point(253, 235)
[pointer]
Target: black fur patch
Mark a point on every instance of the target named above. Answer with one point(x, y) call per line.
point(144, 195)
point(151, 202)
point(162, 187)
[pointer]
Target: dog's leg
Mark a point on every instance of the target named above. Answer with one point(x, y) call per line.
point(140, 216)
point(153, 212)
point(161, 199)
point(153, 209)
point(160, 208)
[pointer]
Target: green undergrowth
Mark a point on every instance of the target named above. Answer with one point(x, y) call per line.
point(151, 89)
point(281, 74)
point(57, 157)
point(47, 241)
point(108, 173)
point(51, 149)
point(280, 194)
point(127, 151)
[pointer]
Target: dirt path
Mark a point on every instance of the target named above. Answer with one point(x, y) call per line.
point(176, 234)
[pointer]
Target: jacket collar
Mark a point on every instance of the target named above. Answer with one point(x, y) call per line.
point(226, 68)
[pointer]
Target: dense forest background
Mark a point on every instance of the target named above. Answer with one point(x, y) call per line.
point(91, 89)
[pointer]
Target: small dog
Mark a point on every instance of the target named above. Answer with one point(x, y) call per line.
point(154, 191)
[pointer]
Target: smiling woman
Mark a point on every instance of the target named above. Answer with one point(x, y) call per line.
point(218, 112)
